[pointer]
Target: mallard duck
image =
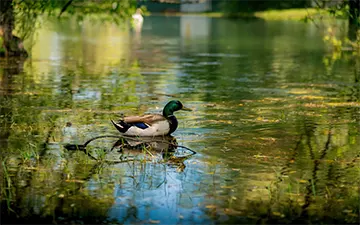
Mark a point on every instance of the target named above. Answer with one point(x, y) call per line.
point(151, 124)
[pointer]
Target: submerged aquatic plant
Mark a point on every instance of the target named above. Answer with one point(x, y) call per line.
point(6, 189)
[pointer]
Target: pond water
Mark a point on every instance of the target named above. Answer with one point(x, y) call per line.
point(275, 124)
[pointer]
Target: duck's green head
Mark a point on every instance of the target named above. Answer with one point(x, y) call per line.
point(172, 106)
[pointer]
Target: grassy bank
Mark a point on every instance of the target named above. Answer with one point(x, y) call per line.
point(285, 14)
point(288, 14)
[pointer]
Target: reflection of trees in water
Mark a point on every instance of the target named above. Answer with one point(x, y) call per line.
point(319, 179)
point(318, 183)
point(81, 190)
point(8, 71)
point(267, 56)
point(53, 187)
point(6, 91)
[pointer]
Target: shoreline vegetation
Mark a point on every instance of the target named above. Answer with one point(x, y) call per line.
point(303, 14)
point(278, 14)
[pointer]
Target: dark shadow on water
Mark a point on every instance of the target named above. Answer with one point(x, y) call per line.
point(85, 215)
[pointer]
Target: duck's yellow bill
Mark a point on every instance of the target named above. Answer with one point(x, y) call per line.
point(186, 108)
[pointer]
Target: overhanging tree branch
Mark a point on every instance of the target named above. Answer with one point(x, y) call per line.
point(65, 7)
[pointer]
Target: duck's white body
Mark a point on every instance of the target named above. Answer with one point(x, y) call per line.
point(160, 128)
point(145, 126)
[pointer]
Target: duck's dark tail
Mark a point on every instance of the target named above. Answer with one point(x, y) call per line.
point(121, 126)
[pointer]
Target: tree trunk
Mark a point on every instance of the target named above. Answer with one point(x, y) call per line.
point(7, 23)
point(354, 12)
point(12, 45)
point(354, 24)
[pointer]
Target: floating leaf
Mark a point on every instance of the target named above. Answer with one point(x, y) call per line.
point(75, 181)
point(310, 97)
point(210, 206)
point(226, 187)
point(30, 168)
point(278, 214)
point(154, 221)
point(344, 104)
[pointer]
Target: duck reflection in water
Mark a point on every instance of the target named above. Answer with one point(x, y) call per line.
point(157, 149)
point(156, 143)
point(162, 149)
